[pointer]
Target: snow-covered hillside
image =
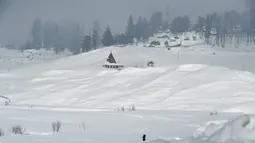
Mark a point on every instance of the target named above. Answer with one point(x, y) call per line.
point(172, 99)
point(12, 58)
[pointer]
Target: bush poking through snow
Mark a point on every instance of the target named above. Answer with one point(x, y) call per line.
point(214, 113)
point(133, 107)
point(82, 125)
point(17, 130)
point(1, 132)
point(129, 108)
point(123, 108)
point(56, 126)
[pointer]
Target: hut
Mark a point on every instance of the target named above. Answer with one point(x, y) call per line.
point(111, 63)
point(150, 64)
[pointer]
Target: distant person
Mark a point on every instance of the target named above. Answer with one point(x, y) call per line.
point(144, 137)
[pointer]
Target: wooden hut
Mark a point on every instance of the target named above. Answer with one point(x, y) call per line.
point(111, 63)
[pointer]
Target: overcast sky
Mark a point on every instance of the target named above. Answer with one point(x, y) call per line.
point(16, 22)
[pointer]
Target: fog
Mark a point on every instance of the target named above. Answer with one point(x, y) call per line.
point(16, 21)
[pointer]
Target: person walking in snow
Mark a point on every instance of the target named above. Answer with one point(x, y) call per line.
point(144, 137)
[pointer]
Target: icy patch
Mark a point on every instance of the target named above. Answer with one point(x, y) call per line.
point(190, 68)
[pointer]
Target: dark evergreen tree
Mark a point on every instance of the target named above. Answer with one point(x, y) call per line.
point(130, 30)
point(201, 25)
point(96, 35)
point(86, 45)
point(75, 38)
point(147, 31)
point(208, 27)
point(108, 39)
point(165, 25)
point(156, 21)
point(51, 35)
point(37, 33)
point(120, 39)
point(180, 24)
point(139, 29)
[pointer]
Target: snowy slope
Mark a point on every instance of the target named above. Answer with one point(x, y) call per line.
point(184, 78)
point(11, 58)
point(172, 99)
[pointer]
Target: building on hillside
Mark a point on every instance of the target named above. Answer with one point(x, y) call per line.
point(150, 64)
point(111, 63)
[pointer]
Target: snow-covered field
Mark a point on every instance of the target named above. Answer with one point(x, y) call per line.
point(12, 58)
point(173, 100)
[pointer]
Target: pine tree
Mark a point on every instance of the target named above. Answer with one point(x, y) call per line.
point(147, 32)
point(94, 39)
point(96, 35)
point(165, 25)
point(208, 27)
point(139, 29)
point(108, 39)
point(180, 24)
point(156, 21)
point(51, 35)
point(37, 33)
point(86, 45)
point(130, 30)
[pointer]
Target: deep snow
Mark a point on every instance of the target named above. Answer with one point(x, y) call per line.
point(173, 99)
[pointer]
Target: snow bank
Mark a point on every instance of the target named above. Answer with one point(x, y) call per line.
point(241, 129)
point(210, 128)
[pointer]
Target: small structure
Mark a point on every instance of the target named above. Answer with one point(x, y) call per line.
point(194, 38)
point(186, 38)
point(150, 64)
point(111, 63)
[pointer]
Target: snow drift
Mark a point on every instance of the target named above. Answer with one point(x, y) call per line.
point(238, 130)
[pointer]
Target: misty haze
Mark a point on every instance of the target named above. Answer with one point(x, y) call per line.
point(127, 71)
point(17, 19)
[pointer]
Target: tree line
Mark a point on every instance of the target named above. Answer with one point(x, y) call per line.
point(217, 26)
point(230, 27)
point(71, 36)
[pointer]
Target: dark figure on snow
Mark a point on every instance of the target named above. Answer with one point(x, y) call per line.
point(144, 137)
